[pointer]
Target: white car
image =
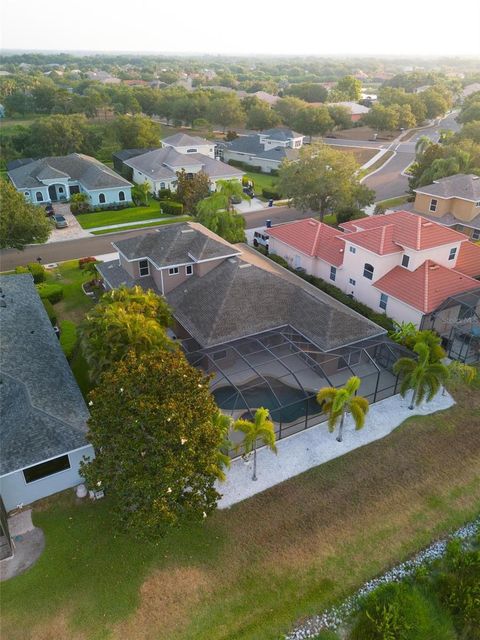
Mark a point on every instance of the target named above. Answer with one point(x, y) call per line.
point(260, 239)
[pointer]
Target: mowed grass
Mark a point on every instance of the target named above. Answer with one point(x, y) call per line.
point(361, 155)
point(104, 218)
point(159, 223)
point(262, 181)
point(251, 572)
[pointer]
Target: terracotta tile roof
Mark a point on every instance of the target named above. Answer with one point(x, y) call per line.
point(468, 260)
point(411, 230)
point(312, 238)
point(426, 287)
point(379, 240)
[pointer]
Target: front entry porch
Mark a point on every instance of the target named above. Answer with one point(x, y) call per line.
point(58, 192)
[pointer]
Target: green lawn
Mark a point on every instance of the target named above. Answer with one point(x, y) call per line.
point(252, 571)
point(143, 226)
point(393, 202)
point(104, 218)
point(262, 181)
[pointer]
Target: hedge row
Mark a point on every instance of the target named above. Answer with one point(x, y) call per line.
point(36, 269)
point(243, 165)
point(68, 338)
point(51, 292)
point(50, 311)
point(171, 208)
point(274, 195)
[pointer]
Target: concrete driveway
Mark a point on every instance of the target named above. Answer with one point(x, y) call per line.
point(247, 206)
point(73, 231)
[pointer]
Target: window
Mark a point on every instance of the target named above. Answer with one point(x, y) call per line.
point(162, 185)
point(383, 301)
point(39, 196)
point(26, 194)
point(101, 198)
point(405, 261)
point(333, 273)
point(121, 196)
point(144, 268)
point(476, 234)
point(191, 150)
point(433, 204)
point(352, 249)
point(60, 189)
point(453, 253)
point(352, 281)
point(368, 271)
point(45, 469)
point(173, 271)
point(189, 269)
point(477, 204)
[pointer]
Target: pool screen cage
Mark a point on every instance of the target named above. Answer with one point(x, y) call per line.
point(282, 370)
point(457, 320)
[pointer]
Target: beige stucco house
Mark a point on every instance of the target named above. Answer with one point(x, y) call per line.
point(453, 202)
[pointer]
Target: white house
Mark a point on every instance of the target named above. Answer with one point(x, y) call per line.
point(57, 178)
point(398, 263)
point(43, 414)
point(159, 167)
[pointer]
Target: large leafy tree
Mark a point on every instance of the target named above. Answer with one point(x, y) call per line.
point(313, 121)
point(154, 430)
point(125, 320)
point(21, 223)
point(308, 91)
point(60, 135)
point(135, 131)
point(225, 110)
point(262, 116)
point(288, 108)
point(348, 88)
point(336, 403)
point(323, 180)
point(259, 430)
point(422, 376)
point(191, 189)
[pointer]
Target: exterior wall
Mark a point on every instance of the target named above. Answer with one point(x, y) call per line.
point(171, 282)
point(265, 164)
point(202, 268)
point(15, 490)
point(111, 195)
point(462, 209)
point(471, 232)
point(397, 309)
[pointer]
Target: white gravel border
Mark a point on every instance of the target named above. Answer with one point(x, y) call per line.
point(317, 445)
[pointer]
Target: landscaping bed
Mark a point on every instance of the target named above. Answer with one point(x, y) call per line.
point(251, 572)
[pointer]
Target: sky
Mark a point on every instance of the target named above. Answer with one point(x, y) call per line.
point(310, 27)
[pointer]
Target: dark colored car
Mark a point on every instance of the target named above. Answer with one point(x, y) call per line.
point(60, 221)
point(49, 211)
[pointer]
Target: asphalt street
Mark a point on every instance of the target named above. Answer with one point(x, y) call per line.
point(98, 245)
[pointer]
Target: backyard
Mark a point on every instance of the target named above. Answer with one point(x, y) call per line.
point(252, 571)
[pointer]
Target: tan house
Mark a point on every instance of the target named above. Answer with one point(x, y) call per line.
point(453, 202)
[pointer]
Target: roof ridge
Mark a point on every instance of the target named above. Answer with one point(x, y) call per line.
point(316, 238)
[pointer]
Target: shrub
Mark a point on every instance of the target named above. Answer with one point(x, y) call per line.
point(68, 338)
point(165, 194)
point(231, 135)
point(348, 213)
point(51, 292)
point(50, 311)
point(84, 261)
point(37, 271)
point(279, 260)
point(80, 207)
point(171, 208)
point(274, 195)
point(403, 611)
point(245, 166)
point(20, 269)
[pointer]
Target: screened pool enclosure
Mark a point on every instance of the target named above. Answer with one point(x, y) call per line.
point(282, 370)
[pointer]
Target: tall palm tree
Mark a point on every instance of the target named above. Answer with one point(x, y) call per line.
point(422, 145)
point(338, 402)
point(422, 376)
point(261, 429)
point(222, 424)
point(460, 372)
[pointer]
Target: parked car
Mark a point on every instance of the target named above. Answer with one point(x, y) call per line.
point(49, 211)
point(260, 239)
point(235, 199)
point(59, 221)
point(249, 191)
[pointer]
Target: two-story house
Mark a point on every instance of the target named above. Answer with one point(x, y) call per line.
point(398, 263)
point(453, 202)
point(264, 150)
point(159, 167)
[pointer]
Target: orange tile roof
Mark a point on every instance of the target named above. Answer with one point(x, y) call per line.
point(312, 238)
point(379, 240)
point(411, 230)
point(468, 259)
point(426, 287)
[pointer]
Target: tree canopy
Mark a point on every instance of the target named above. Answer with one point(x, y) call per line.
point(21, 223)
point(154, 429)
point(191, 189)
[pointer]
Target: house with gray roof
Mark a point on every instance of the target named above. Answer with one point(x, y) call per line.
point(57, 178)
point(268, 337)
point(453, 201)
point(43, 415)
point(180, 152)
point(265, 150)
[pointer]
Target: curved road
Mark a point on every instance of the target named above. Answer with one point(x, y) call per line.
point(388, 181)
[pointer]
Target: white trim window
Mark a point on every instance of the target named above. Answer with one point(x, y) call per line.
point(352, 249)
point(368, 270)
point(333, 273)
point(173, 271)
point(143, 268)
point(476, 234)
point(453, 253)
point(477, 204)
point(189, 270)
point(383, 301)
point(433, 205)
point(405, 260)
point(352, 282)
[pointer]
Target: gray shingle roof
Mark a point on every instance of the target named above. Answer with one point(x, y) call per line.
point(459, 186)
point(90, 172)
point(184, 140)
point(281, 133)
point(246, 144)
point(175, 244)
point(126, 154)
point(165, 162)
point(237, 299)
point(43, 413)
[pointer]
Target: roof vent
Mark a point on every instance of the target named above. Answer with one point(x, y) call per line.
point(434, 267)
point(2, 302)
point(475, 177)
point(427, 224)
point(232, 260)
point(312, 223)
point(244, 265)
point(188, 230)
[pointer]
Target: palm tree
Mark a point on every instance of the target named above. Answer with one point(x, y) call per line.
point(222, 423)
point(422, 145)
point(421, 375)
point(226, 191)
point(433, 342)
point(460, 372)
point(338, 402)
point(261, 429)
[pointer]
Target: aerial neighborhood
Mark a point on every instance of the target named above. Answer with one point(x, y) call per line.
point(240, 343)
